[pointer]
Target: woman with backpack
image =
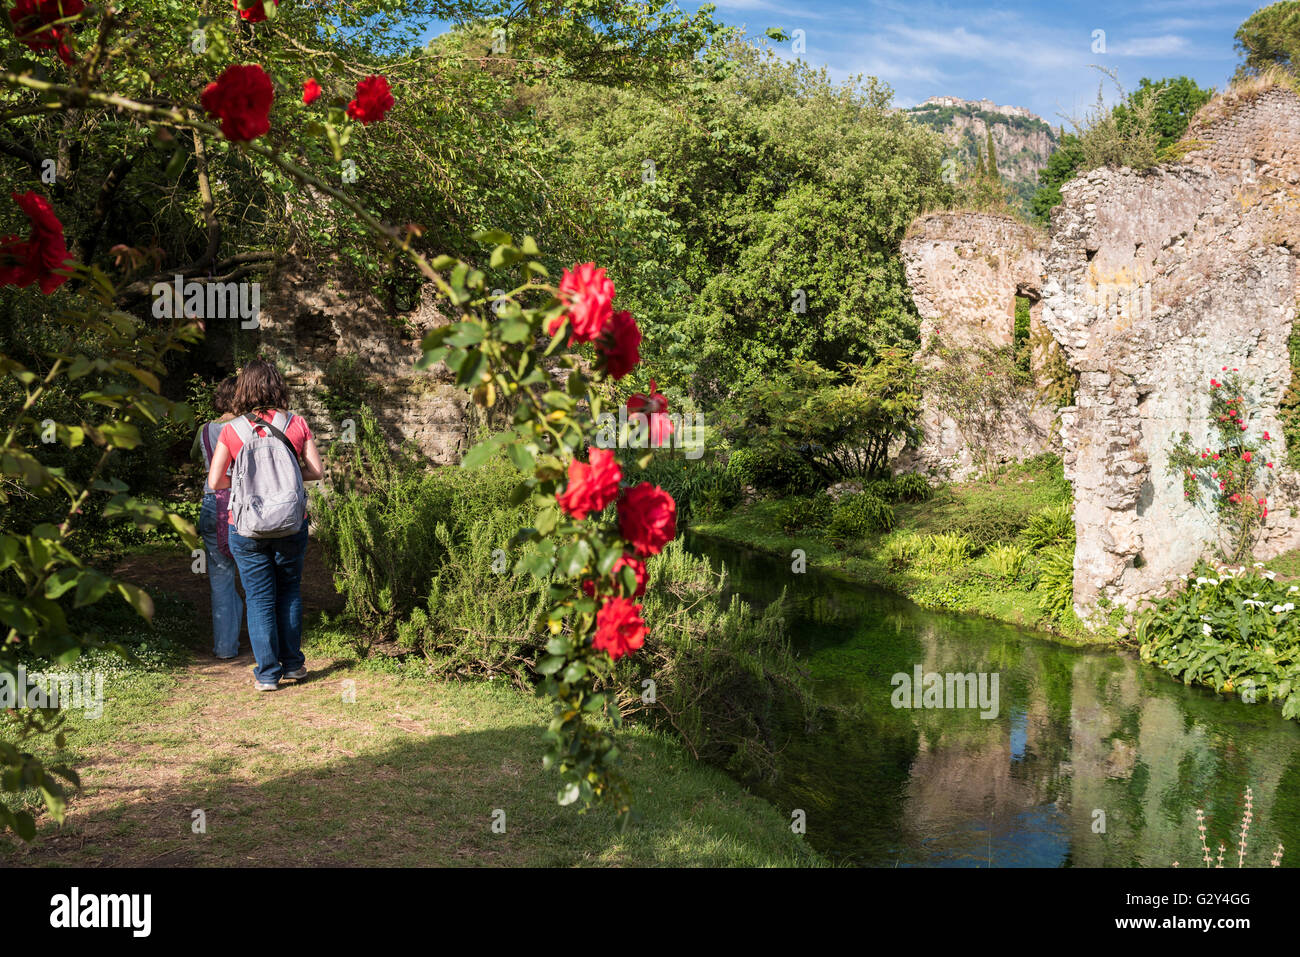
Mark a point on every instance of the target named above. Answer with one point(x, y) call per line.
point(270, 453)
point(227, 606)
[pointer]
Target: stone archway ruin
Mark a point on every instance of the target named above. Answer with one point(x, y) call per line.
point(1151, 282)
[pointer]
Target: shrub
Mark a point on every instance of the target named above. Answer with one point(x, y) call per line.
point(725, 678)
point(990, 521)
point(1235, 632)
point(702, 489)
point(378, 525)
point(902, 488)
point(772, 469)
point(945, 550)
point(901, 549)
point(857, 516)
point(803, 512)
point(1007, 561)
point(1051, 525)
point(1055, 580)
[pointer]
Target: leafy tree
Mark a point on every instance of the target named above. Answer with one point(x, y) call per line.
point(754, 217)
point(841, 424)
point(991, 169)
point(1270, 37)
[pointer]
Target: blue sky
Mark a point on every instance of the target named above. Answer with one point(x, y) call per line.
point(1032, 54)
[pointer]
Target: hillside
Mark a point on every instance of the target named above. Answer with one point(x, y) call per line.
point(1023, 140)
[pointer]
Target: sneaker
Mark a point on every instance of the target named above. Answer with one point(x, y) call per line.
point(297, 675)
point(265, 686)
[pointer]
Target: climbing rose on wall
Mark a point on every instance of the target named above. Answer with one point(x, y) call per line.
point(35, 261)
point(373, 100)
point(647, 518)
point(620, 629)
point(591, 486)
point(241, 98)
point(32, 19)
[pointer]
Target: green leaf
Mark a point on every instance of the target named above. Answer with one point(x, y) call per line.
point(550, 664)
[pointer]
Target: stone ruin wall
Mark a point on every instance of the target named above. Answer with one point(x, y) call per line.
point(965, 271)
point(1154, 282)
point(309, 318)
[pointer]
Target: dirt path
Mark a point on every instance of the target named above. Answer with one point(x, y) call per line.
point(360, 766)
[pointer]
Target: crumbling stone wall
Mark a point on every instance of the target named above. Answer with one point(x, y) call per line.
point(310, 318)
point(965, 271)
point(1154, 282)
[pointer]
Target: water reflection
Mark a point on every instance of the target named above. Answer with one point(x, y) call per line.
point(1092, 760)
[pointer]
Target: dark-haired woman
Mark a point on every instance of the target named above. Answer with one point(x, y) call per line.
point(270, 568)
point(227, 606)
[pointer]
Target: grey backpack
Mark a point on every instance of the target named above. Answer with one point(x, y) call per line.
point(267, 498)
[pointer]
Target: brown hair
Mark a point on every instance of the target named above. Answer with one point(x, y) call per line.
point(260, 386)
point(223, 399)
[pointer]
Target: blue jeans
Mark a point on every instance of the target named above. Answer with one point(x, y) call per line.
point(271, 570)
point(227, 606)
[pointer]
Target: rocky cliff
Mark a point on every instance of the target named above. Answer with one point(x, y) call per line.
point(1023, 141)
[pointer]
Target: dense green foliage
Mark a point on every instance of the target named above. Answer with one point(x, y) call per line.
point(753, 219)
point(420, 556)
point(1236, 632)
point(840, 426)
point(1270, 37)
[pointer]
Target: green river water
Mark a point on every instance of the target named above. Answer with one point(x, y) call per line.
point(1092, 760)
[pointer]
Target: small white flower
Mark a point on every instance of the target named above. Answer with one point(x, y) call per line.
point(1201, 581)
point(1254, 594)
point(1206, 630)
point(1257, 604)
point(1278, 609)
point(1293, 589)
point(1259, 564)
point(1211, 581)
point(1270, 575)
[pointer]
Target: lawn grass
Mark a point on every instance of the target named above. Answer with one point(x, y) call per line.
point(413, 772)
point(970, 586)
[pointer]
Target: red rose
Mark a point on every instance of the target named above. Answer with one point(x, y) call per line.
point(1245, 457)
point(241, 98)
point(1243, 426)
point(589, 294)
point(626, 560)
point(647, 518)
point(591, 486)
point(620, 629)
point(35, 260)
point(654, 406)
point(373, 100)
point(254, 14)
point(32, 19)
point(620, 345)
point(310, 91)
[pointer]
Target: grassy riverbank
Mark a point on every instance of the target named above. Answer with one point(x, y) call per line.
point(413, 772)
point(995, 510)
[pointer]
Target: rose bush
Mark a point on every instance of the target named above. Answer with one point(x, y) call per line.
point(1235, 472)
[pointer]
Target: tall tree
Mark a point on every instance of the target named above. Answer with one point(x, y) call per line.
point(1270, 37)
point(991, 169)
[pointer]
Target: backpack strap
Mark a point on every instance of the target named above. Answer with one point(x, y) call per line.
point(243, 429)
point(273, 429)
point(205, 436)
